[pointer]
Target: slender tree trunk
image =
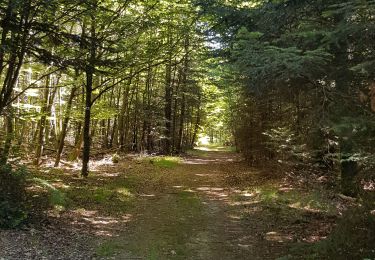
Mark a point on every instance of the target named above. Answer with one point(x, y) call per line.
point(114, 135)
point(122, 116)
point(197, 123)
point(175, 109)
point(90, 69)
point(42, 124)
point(103, 130)
point(168, 107)
point(181, 124)
point(62, 136)
point(185, 71)
point(86, 124)
point(48, 132)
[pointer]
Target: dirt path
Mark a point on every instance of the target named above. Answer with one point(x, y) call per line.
point(195, 217)
point(209, 205)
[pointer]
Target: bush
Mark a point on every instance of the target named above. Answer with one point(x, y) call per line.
point(353, 238)
point(115, 158)
point(12, 196)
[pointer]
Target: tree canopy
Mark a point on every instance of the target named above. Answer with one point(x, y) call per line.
point(290, 84)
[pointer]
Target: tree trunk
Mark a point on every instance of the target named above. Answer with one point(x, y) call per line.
point(90, 69)
point(197, 123)
point(183, 89)
point(42, 124)
point(65, 126)
point(86, 124)
point(122, 116)
point(181, 124)
point(9, 137)
point(168, 108)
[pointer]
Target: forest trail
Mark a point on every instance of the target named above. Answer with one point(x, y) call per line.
point(214, 206)
point(207, 205)
point(193, 218)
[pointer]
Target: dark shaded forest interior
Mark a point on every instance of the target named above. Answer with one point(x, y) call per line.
point(187, 129)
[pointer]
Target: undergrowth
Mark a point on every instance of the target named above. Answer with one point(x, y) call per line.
point(166, 161)
point(13, 206)
point(353, 238)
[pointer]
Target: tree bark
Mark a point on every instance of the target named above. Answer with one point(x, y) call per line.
point(90, 69)
point(168, 107)
point(42, 124)
point(62, 136)
point(9, 137)
point(86, 124)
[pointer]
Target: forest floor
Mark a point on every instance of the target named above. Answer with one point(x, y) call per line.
point(206, 205)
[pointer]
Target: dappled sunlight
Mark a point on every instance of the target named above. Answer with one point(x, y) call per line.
point(204, 148)
point(85, 213)
point(208, 161)
point(278, 237)
point(285, 189)
point(124, 193)
point(147, 195)
point(214, 148)
point(246, 194)
point(49, 164)
point(107, 161)
point(243, 203)
point(298, 205)
point(245, 246)
point(369, 185)
point(209, 200)
point(235, 217)
point(314, 238)
point(203, 174)
point(211, 155)
point(109, 174)
point(59, 184)
point(214, 192)
point(209, 189)
point(98, 224)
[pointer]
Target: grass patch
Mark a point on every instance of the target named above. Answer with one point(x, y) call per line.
point(189, 200)
point(109, 248)
point(171, 229)
point(109, 197)
point(124, 193)
point(57, 197)
point(166, 161)
point(196, 152)
point(314, 200)
point(102, 194)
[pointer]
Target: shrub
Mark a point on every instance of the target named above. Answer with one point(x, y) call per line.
point(115, 158)
point(353, 238)
point(12, 196)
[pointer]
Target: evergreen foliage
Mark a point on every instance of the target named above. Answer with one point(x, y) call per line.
point(307, 80)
